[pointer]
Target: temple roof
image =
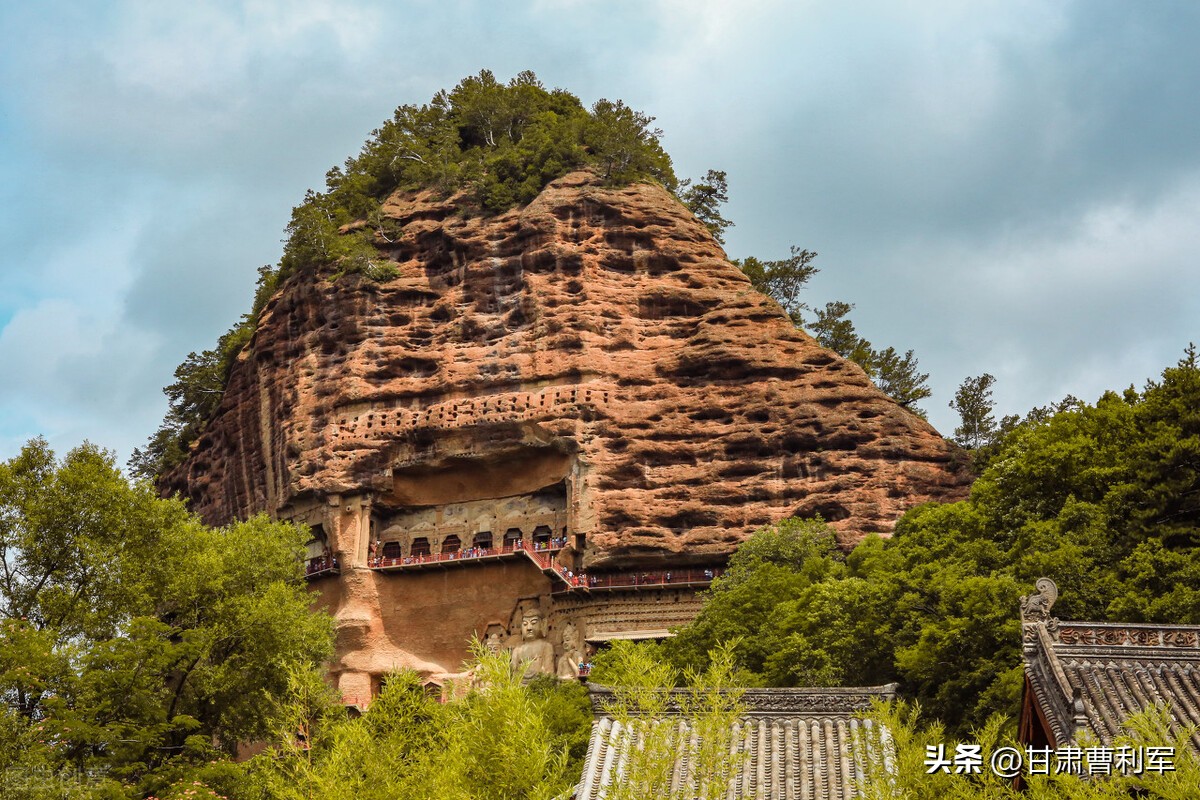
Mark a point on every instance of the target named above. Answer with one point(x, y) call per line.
point(1089, 677)
point(788, 743)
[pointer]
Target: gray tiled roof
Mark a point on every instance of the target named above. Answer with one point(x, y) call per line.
point(1091, 676)
point(791, 744)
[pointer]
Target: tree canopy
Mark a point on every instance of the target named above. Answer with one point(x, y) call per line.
point(500, 142)
point(137, 645)
point(495, 739)
point(704, 198)
point(974, 404)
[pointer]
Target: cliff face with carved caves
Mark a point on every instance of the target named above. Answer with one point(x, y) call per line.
point(590, 369)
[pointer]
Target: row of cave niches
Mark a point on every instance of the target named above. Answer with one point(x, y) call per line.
point(542, 538)
point(418, 552)
point(448, 550)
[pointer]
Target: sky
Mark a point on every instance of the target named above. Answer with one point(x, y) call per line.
point(1004, 187)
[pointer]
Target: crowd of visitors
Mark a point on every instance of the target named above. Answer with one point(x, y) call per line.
point(326, 563)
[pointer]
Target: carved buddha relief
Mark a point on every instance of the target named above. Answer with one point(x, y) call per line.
point(572, 652)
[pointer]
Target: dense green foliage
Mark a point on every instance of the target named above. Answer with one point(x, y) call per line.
point(493, 738)
point(1103, 498)
point(136, 645)
point(139, 648)
point(501, 143)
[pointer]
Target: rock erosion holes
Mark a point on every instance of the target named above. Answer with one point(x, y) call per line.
point(622, 264)
point(687, 518)
point(629, 240)
point(828, 510)
point(747, 447)
point(660, 306)
point(405, 367)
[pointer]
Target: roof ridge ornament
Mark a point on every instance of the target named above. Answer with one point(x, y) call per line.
point(1036, 607)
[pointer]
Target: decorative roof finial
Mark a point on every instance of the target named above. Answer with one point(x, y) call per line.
point(1036, 607)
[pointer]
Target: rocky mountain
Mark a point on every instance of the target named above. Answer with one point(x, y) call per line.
point(599, 333)
point(587, 375)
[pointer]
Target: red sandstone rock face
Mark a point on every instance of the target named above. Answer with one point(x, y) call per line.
point(595, 347)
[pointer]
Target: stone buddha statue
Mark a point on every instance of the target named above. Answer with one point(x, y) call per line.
point(534, 655)
point(494, 642)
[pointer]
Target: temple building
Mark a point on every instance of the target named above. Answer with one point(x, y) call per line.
point(787, 744)
point(1084, 679)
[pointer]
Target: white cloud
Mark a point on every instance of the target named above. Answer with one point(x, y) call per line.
point(208, 48)
point(1100, 303)
point(75, 373)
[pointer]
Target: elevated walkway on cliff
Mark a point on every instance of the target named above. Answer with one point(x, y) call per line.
point(321, 567)
point(565, 580)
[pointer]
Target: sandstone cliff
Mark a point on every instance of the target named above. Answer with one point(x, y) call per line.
point(582, 384)
point(597, 337)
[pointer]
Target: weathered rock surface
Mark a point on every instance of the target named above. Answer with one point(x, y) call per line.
point(599, 338)
point(587, 375)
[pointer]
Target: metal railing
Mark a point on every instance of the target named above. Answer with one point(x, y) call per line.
point(639, 578)
point(321, 566)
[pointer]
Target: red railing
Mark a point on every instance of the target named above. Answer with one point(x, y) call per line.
point(468, 553)
point(636, 579)
point(543, 557)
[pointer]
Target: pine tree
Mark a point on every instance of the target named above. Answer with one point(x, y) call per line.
point(705, 198)
point(897, 377)
point(974, 404)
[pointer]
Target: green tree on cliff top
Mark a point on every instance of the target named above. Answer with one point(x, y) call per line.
point(497, 143)
point(500, 142)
